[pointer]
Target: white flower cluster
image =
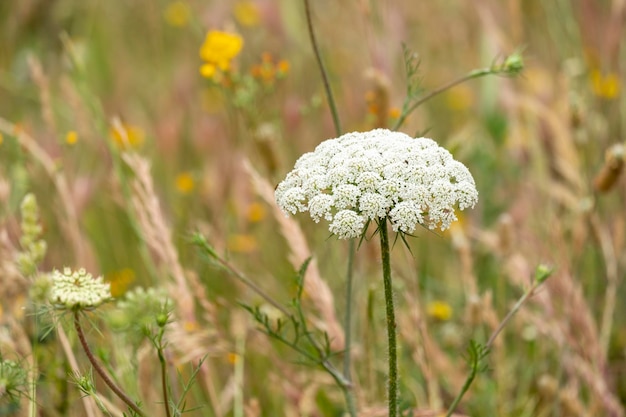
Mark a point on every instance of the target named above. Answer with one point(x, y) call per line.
point(372, 175)
point(78, 289)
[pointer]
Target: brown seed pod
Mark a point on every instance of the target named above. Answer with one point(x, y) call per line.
point(612, 168)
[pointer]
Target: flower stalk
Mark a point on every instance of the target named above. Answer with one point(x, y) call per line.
point(392, 387)
point(100, 370)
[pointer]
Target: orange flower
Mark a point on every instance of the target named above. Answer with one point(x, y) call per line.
point(282, 67)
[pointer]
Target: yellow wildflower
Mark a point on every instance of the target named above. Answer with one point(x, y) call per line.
point(439, 310)
point(232, 358)
point(605, 86)
point(71, 137)
point(127, 136)
point(120, 280)
point(247, 13)
point(256, 212)
point(1, 138)
point(218, 50)
point(177, 14)
point(242, 243)
point(185, 183)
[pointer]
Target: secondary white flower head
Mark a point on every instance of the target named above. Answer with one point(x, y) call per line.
point(78, 289)
point(363, 176)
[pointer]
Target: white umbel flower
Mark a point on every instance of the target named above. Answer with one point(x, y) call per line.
point(78, 289)
point(363, 176)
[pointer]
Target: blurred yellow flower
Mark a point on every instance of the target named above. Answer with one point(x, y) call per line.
point(71, 137)
point(177, 14)
point(127, 136)
point(242, 243)
point(120, 280)
point(247, 13)
point(232, 358)
point(185, 183)
point(256, 212)
point(1, 138)
point(208, 70)
point(191, 326)
point(605, 86)
point(439, 310)
point(460, 97)
point(218, 50)
point(394, 112)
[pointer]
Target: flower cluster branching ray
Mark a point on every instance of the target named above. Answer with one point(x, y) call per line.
point(360, 177)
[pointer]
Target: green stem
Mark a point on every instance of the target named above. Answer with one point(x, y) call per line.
point(348, 336)
point(513, 311)
point(348, 316)
point(478, 359)
point(320, 63)
point(391, 321)
point(409, 109)
point(161, 354)
point(103, 374)
point(468, 382)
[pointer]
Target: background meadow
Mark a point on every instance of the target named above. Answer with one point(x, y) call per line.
point(129, 148)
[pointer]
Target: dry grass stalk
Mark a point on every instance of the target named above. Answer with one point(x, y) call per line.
point(156, 232)
point(314, 285)
point(425, 352)
point(69, 221)
point(596, 382)
point(610, 263)
point(36, 71)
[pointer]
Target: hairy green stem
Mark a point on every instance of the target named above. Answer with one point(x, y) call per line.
point(392, 386)
point(347, 331)
point(348, 316)
point(320, 63)
point(100, 370)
